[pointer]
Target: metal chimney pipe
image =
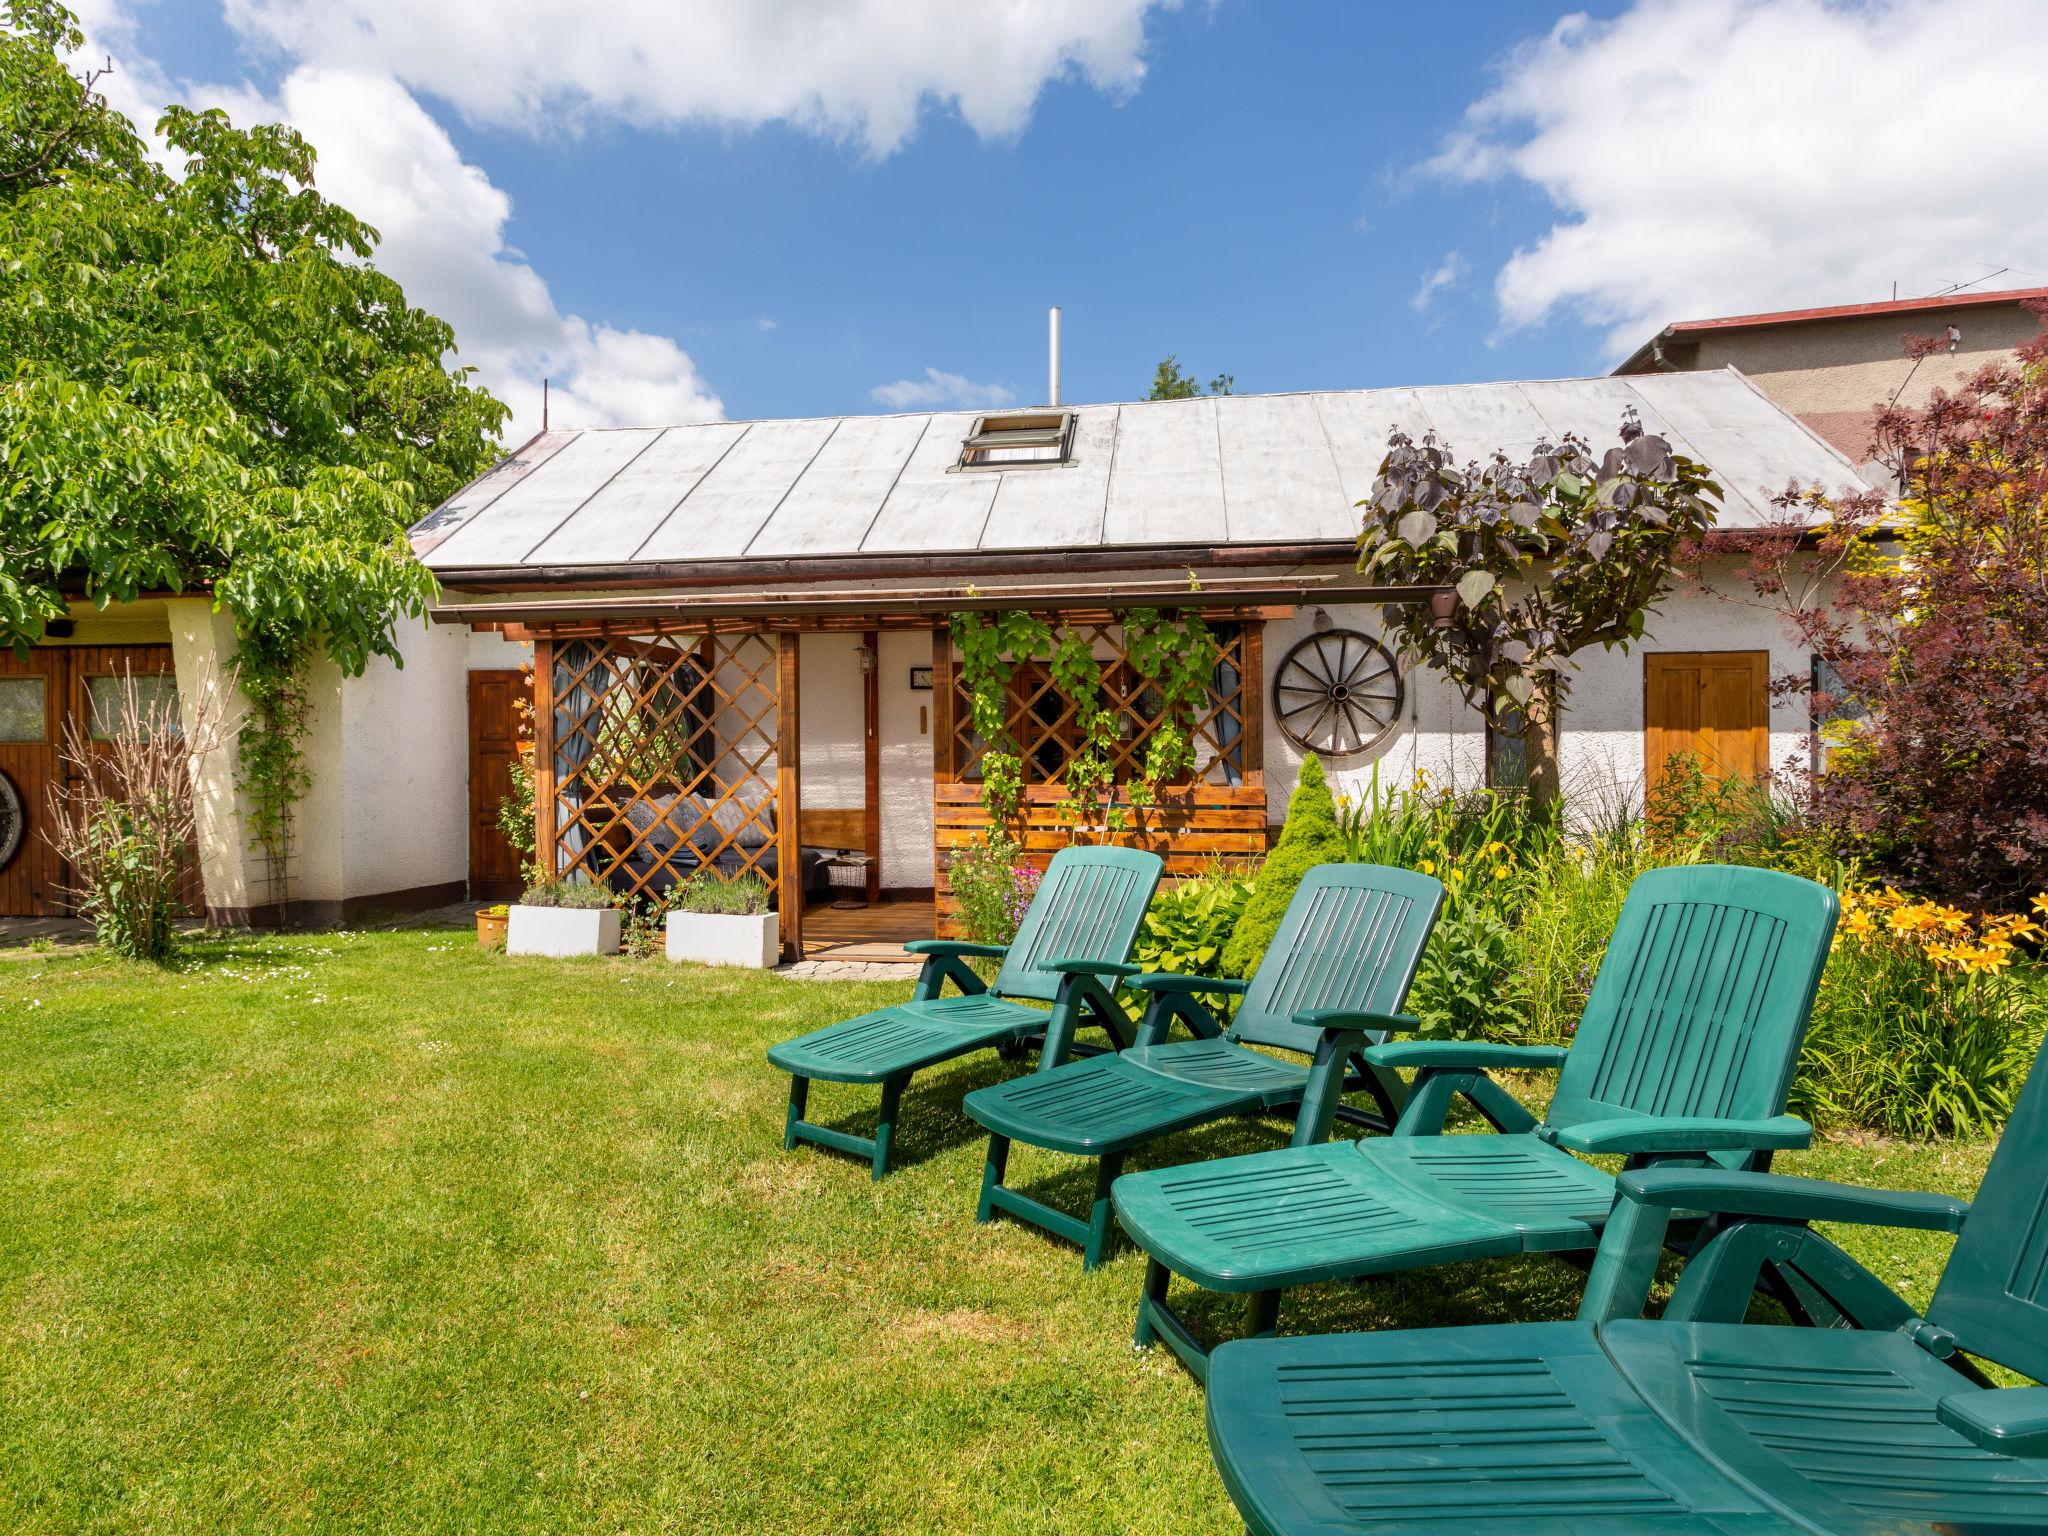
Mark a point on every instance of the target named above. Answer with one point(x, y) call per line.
point(1052, 363)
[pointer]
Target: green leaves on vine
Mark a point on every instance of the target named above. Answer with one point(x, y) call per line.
point(1172, 652)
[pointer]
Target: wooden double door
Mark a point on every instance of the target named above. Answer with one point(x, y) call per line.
point(1712, 705)
point(39, 695)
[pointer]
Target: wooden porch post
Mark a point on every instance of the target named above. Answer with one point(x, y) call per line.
point(544, 757)
point(871, 728)
point(1252, 692)
point(789, 795)
point(942, 753)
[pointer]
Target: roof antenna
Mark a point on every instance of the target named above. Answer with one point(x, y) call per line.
point(543, 404)
point(1052, 360)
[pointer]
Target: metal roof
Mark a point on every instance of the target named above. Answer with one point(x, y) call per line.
point(1220, 471)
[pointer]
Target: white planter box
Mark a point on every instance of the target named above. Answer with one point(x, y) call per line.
point(712, 938)
point(562, 931)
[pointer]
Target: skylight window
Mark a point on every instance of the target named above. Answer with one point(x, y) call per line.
point(1019, 439)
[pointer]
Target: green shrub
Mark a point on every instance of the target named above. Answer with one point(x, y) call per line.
point(1310, 837)
point(1568, 906)
point(1188, 926)
point(993, 886)
point(562, 893)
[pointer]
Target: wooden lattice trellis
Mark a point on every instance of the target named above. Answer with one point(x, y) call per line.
point(663, 754)
point(1044, 728)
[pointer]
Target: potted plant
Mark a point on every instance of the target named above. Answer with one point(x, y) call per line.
point(490, 926)
point(723, 922)
point(557, 918)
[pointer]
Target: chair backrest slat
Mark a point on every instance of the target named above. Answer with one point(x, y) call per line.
point(1702, 998)
point(1088, 907)
point(1352, 937)
point(1994, 1294)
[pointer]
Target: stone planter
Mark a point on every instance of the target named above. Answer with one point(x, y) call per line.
point(713, 938)
point(562, 931)
point(490, 929)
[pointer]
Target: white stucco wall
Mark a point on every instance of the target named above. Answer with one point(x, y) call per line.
point(404, 770)
point(490, 651)
point(1601, 738)
point(832, 751)
point(908, 839)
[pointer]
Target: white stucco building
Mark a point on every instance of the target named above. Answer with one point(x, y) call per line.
point(727, 620)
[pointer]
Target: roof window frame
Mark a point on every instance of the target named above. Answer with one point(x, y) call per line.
point(1058, 434)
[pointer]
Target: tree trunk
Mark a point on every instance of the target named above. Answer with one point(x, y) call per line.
point(1539, 746)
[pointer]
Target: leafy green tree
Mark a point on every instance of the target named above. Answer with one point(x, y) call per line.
point(1542, 558)
point(1169, 383)
point(1310, 837)
point(208, 386)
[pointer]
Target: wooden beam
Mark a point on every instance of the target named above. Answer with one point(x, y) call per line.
point(789, 798)
point(942, 721)
point(1252, 690)
point(544, 757)
point(871, 735)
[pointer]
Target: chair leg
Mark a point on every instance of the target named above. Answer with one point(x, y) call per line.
point(1262, 1315)
point(885, 1124)
point(992, 1169)
point(799, 1097)
point(1157, 1278)
point(1100, 1215)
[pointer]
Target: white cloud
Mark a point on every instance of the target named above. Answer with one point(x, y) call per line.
point(442, 227)
point(765, 324)
point(1722, 156)
point(857, 70)
point(1444, 275)
point(938, 389)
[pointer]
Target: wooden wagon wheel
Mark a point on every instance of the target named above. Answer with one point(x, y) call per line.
point(1338, 692)
point(13, 821)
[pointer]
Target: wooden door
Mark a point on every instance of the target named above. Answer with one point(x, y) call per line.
point(1714, 705)
point(32, 695)
point(494, 700)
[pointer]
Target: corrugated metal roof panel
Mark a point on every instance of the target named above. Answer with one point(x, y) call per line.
point(1241, 469)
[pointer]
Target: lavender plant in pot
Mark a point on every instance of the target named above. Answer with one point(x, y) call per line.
point(723, 922)
point(555, 917)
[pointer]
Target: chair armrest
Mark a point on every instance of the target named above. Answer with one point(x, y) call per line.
point(1681, 1133)
point(956, 948)
point(1477, 1054)
point(1113, 969)
point(1792, 1199)
point(1354, 1019)
point(1174, 981)
point(2009, 1421)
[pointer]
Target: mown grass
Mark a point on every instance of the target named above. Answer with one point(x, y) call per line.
point(375, 1232)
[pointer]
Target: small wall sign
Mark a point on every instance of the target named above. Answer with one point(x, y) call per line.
point(921, 679)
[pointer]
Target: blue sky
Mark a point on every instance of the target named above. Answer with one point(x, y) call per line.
point(1261, 188)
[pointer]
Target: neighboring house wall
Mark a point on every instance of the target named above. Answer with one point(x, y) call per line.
point(1832, 373)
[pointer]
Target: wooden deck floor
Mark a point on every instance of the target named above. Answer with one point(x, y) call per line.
point(868, 934)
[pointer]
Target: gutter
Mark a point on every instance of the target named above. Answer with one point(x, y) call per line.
point(773, 605)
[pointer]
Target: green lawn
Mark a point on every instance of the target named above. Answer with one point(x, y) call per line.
point(355, 1232)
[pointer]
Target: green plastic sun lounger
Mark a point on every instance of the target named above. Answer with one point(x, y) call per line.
point(1331, 982)
point(1685, 1052)
point(1070, 951)
point(1698, 1423)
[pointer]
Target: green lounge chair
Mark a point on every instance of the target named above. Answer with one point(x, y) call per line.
point(1074, 939)
point(1330, 983)
point(1698, 1423)
point(1684, 1052)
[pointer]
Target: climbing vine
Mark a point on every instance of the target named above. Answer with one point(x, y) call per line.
point(270, 765)
point(1175, 653)
point(1172, 652)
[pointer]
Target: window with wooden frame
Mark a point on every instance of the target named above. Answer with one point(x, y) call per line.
point(1019, 440)
point(1044, 726)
